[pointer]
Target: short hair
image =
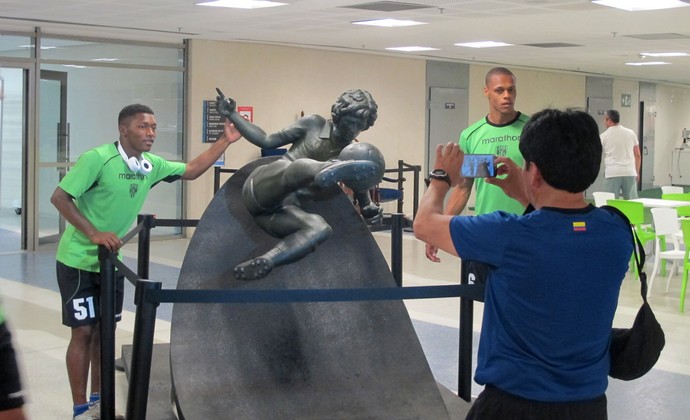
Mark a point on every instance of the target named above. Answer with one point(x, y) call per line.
point(355, 102)
point(497, 71)
point(132, 110)
point(565, 146)
point(613, 115)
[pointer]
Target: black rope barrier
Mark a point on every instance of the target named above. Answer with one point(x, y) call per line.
point(150, 294)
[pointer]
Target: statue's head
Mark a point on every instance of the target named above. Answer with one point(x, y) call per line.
point(364, 151)
point(355, 107)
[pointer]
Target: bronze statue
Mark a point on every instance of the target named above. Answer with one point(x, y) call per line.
point(322, 154)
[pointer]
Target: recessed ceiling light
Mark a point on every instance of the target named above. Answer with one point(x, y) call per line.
point(241, 4)
point(647, 63)
point(483, 44)
point(666, 54)
point(412, 49)
point(388, 23)
point(639, 5)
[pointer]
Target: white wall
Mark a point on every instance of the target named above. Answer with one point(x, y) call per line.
point(673, 115)
point(281, 82)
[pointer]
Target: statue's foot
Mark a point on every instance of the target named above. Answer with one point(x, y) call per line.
point(255, 269)
point(345, 170)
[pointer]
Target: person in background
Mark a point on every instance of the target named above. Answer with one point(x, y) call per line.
point(11, 394)
point(101, 197)
point(554, 273)
point(622, 157)
point(496, 134)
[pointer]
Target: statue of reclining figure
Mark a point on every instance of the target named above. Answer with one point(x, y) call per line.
point(322, 154)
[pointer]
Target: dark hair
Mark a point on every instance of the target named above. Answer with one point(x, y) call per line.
point(355, 102)
point(497, 71)
point(132, 110)
point(614, 116)
point(565, 146)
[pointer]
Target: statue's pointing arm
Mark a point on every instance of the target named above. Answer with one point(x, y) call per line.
point(254, 134)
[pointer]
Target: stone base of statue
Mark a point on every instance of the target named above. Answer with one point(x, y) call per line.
point(322, 360)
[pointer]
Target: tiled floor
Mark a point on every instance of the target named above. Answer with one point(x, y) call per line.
point(29, 295)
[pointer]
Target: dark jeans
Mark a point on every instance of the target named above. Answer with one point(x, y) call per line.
point(494, 404)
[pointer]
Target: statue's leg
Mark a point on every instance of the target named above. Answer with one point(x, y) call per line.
point(301, 233)
point(344, 171)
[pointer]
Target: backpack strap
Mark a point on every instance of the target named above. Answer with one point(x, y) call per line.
point(638, 250)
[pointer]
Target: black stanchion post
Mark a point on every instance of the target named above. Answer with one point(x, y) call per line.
point(216, 179)
point(144, 245)
point(107, 331)
point(142, 351)
point(465, 344)
point(396, 247)
point(401, 170)
point(415, 191)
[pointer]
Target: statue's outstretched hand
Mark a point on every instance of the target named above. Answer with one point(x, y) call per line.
point(225, 106)
point(372, 214)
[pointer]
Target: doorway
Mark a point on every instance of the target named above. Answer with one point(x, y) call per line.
point(13, 134)
point(53, 153)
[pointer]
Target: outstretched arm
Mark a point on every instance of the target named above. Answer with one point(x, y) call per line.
point(258, 137)
point(202, 162)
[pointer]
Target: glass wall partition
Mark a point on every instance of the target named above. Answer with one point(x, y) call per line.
point(81, 87)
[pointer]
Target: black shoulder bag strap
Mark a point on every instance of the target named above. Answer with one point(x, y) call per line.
point(638, 250)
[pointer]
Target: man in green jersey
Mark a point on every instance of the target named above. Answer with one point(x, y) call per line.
point(496, 134)
point(100, 197)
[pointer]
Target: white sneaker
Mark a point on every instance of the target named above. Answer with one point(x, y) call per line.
point(87, 415)
point(94, 413)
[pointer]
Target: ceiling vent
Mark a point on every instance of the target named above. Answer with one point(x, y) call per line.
point(656, 37)
point(552, 45)
point(387, 6)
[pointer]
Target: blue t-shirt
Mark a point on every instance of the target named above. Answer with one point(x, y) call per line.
point(550, 298)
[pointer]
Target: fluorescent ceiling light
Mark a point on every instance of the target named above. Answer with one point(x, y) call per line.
point(647, 63)
point(483, 44)
point(639, 5)
point(412, 49)
point(104, 59)
point(241, 4)
point(667, 54)
point(388, 23)
point(31, 46)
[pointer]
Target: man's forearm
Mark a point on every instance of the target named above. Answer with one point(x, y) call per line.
point(459, 196)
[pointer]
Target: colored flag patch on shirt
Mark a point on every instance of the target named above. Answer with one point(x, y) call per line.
point(579, 227)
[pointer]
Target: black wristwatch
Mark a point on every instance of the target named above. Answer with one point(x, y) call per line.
point(439, 174)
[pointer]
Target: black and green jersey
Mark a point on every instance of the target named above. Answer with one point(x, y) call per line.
point(484, 137)
point(110, 196)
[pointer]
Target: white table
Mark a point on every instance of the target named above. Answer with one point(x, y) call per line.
point(658, 202)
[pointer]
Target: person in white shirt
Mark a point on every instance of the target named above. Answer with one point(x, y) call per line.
point(622, 157)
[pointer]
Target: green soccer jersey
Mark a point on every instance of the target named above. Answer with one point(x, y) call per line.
point(110, 196)
point(484, 137)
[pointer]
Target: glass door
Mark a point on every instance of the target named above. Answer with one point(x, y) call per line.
point(13, 88)
point(53, 152)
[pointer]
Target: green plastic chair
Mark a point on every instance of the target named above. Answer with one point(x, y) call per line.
point(636, 213)
point(682, 211)
point(685, 227)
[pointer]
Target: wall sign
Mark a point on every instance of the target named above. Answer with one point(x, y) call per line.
point(626, 100)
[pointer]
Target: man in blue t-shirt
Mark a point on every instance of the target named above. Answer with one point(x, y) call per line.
point(554, 273)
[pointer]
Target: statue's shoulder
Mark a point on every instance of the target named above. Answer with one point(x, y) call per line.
point(313, 119)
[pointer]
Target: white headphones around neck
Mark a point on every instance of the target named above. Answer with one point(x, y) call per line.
point(135, 165)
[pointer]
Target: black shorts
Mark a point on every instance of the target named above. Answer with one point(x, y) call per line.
point(11, 395)
point(492, 403)
point(81, 292)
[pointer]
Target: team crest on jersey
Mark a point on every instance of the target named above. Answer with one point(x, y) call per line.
point(133, 188)
point(501, 151)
